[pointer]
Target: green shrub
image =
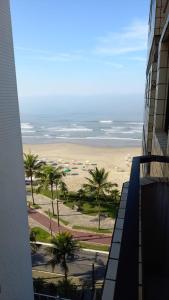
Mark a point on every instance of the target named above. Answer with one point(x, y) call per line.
point(40, 234)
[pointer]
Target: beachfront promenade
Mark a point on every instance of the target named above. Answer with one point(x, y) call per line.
point(43, 220)
point(72, 216)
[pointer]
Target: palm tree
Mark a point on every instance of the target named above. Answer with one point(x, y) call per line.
point(64, 247)
point(115, 195)
point(58, 179)
point(32, 237)
point(50, 177)
point(98, 185)
point(32, 166)
point(63, 189)
point(81, 193)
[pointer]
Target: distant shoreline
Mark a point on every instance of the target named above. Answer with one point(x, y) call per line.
point(98, 143)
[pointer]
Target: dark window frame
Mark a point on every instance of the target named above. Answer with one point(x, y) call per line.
point(166, 128)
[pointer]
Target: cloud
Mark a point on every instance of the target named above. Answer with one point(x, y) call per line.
point(38, 54)
point(78, 55)
point(129, 42)
point(59, 57)
point(130, 39)
point(30, 50)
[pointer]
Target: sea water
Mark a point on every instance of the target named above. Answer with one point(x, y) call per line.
point(94, 131)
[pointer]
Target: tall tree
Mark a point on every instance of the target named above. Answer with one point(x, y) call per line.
point(99, 185)
point(64, 247)
point(50, 177)
point(59, 174)
point(115, 195)
point(81, 193)
point(32, 166)
point(32, 237)
point(63, 189)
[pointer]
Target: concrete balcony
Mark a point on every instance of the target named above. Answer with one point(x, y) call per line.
point(138, 265)
point(47, 297)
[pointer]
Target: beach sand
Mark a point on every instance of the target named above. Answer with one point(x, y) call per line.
point(117, 161)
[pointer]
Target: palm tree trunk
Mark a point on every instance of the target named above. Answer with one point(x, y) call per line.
point(56, 187)
point(66, 275)
point(53, 210)
point(57, 195)
point(65, 268)
point(33, 200)
point(51, 188)
point(58, 214)
point(98, 201)
point(64, 196)
point(99, 215)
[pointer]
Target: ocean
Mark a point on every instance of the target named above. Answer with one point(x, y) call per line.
point(96, 131)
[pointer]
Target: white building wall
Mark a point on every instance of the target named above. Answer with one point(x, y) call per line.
point(15, 260)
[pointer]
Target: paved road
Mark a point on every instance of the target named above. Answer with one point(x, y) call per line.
point(79, 235)
point(81, 265)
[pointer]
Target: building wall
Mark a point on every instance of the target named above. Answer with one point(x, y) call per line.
point(155, 135)
point(15, 260)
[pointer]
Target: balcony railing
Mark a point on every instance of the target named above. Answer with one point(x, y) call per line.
point(127, 280)
point(47, 297)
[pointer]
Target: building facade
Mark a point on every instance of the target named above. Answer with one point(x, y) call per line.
point(15, 259)
point(138, 264)
point(156, 117)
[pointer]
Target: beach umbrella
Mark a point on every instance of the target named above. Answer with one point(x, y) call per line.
point(66, 170)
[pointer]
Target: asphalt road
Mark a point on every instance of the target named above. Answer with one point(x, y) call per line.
point(80, 266)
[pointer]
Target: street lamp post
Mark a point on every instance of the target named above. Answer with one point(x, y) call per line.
point(50, 222)
point(58, 214)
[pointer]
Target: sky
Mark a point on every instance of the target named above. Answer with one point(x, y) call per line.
point(81, 48)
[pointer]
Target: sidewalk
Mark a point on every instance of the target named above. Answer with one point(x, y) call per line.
point(79, 235)
point(72, 216)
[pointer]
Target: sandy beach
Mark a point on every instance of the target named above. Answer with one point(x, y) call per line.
point(79, 159)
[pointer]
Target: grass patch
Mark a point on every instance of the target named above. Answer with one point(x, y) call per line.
point(91, 208)
point(44, 236)
point(48, 193)
point(94, 246)
point(88, 204)
point(36, 206)
point(41, 235)
point(69, 204)
point(92, 229)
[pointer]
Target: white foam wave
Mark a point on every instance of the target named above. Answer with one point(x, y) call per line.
point(122, 130)
point(76, 129)
point(97, 138)
point(26, 126)
point(131, 132)
point(106, 121)
point(27, 131)
point(113, 138)
point(138, 130)
point(113, 129)
point(32, 136)
point(135, 123)
point(47, 135)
